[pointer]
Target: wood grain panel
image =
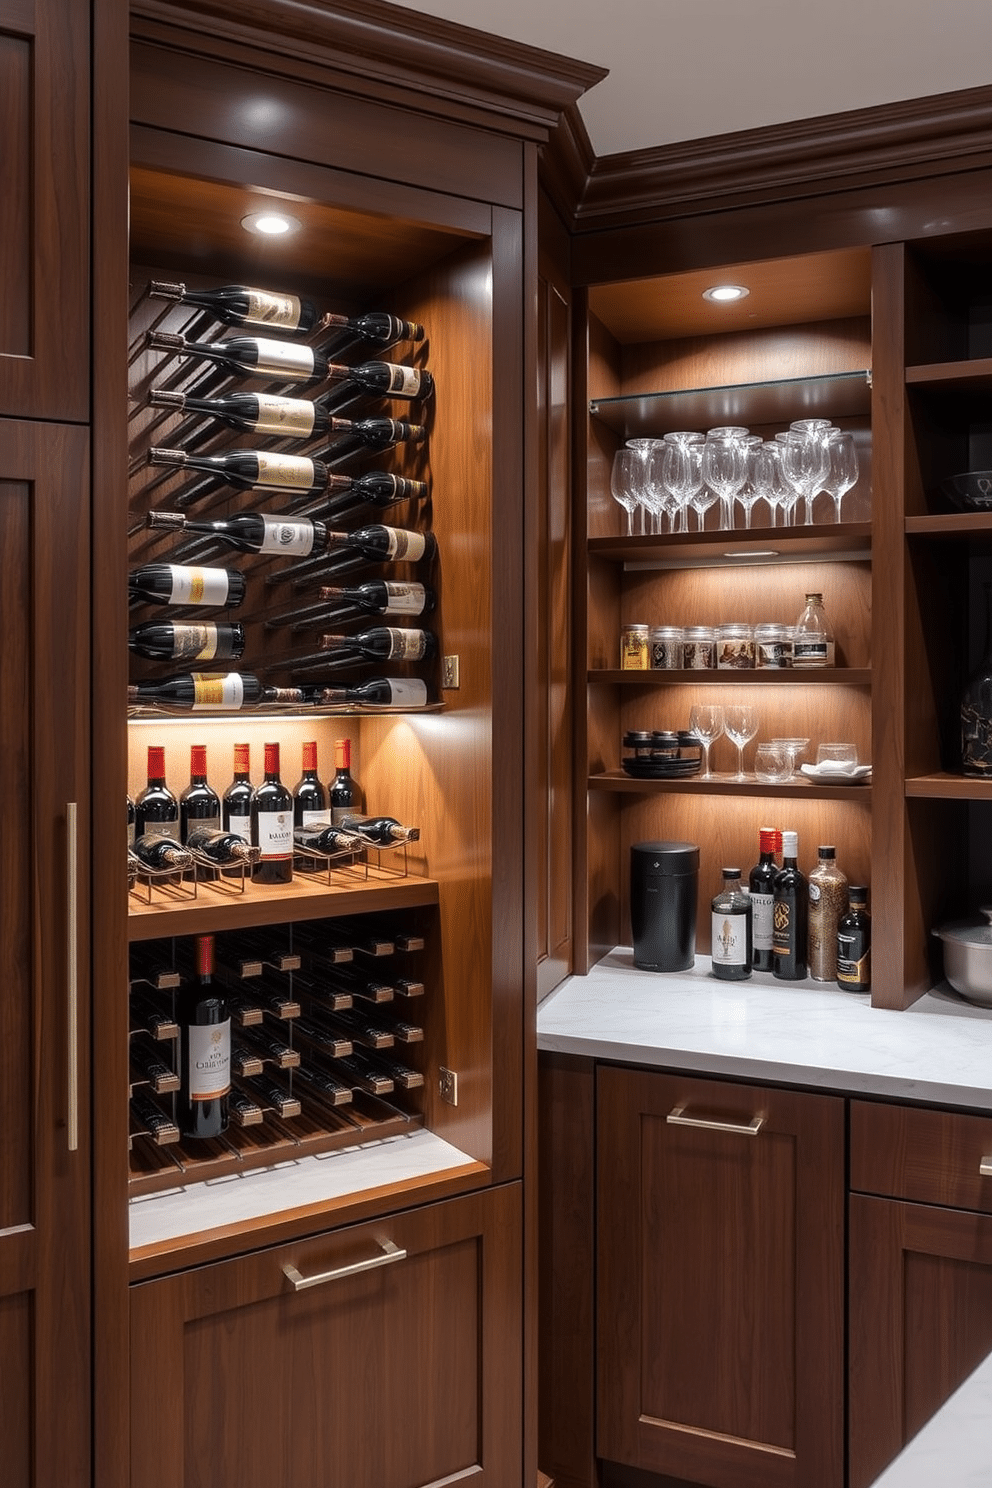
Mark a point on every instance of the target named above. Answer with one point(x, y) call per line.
point(719, 1282)
point(727, 359)
point(15, 1397)
point(929, 1157)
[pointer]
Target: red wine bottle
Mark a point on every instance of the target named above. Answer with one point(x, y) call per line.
point(383, 830)
point(156, 808)
point(168, 640)
point(181, 584)
point(377, 692)
point(343, 792)
point(223, 848)
point(204, 1049)
point(294, 418)
point(790, 907)
point(158, 850)
point(327, 839)
point(381, 643)
point(386, 597)
point(309, 798)
point(272, 825)
point(202, 692)
point(199, 803)
point(130, 822)
point(375, 328)
point(248, 470)
point(236, 803)
point(239, 304)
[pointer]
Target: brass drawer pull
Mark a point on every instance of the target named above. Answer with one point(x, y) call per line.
point(390, 1253)
point(750, 1129)
point(985, 1168)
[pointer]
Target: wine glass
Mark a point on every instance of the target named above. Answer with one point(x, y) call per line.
point(706, 722)
point(804, 465)
point(725, 470)
point(661, 496)
point(682, 473)
point(647, 494)
point(622, 478)
point(842, 467)
point(769, 481)
point(751, 491)
point(740, 722)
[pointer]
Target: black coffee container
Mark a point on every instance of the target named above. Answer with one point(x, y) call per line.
point(664, 879)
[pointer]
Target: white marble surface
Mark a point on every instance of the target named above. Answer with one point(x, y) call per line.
point(954, 1448)
point(297, 1183)
point(810, 1033)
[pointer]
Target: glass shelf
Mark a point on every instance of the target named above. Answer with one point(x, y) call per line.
point(740, 548)
point(833, 395)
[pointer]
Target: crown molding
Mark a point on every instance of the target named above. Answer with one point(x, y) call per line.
point(443, 64)
point(566, 163)
point(941, 134)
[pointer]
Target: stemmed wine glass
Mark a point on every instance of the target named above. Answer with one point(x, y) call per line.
point(750, 492)
point(622, 484)
point(740, 724)
point(765, 474)
point(725, 469)
point(648, 494)
point(842, 467)
point(804, 465)
point(682, 473)
point(706, 722)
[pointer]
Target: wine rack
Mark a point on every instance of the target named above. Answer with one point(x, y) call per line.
point(331, 1043)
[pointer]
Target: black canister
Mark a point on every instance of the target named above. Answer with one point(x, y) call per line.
point(664, 878)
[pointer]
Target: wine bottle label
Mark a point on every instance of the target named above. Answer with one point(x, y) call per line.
point(198, 643)
point(163, 829)
point(240, 826)
point(854, 971)
point(404, 545)
point(197, 586)
point(273, 309)
point(282, 358)
point(284, 416)
point(275, 834)
point(408, 692)
point(205, 824)
point(729, 940)
point(285, 537)
point(209, 1060)
point(291, 472)
point(316, 818)
point(404, 380)
point(404, 599)
point(211, 692)
point(407, 645)
point(761, 922)
point(811, 651)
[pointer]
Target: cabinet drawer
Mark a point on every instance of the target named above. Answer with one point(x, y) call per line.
point(929, 1157)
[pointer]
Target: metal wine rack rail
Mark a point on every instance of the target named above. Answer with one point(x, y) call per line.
point(268, 652)
point(276, 1112)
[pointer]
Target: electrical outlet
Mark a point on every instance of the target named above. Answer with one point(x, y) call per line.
point(448, 1084)
point(449, 673)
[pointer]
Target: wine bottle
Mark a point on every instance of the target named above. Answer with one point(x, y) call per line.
point(180, 584)
point(150, 1068)
point(236, 803)
point(156, 808)
point(159, 850)
point(382, 830)
point(310, 807)
point(790, 914)
point(854, 943)
point(294, 418)
point(204, 1049)
point(761, 882)
point(731, 945)
point(385, 597)
point(272, 825)
point(253, 532)
point(149, 1120)
point(223, 848)
point(375, 328)
point(326, 839)
point(130, 822)
point(381, 643)
point(248, 470)
point(199, 803)
point(343, 791)
point(239, 304)
point(374, 488)
point(377, 692)
point(168, 640)
point(202, 692)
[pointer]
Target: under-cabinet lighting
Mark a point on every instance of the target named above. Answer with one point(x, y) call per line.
point(754, 553)
point(271, 224)
point(721, 292)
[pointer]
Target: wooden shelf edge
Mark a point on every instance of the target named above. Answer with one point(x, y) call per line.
point(617, 780)
point(975, 370)
point(751, 677)
point(682, 549)
point(276, 904)
point(950, 524)
point(943, 786)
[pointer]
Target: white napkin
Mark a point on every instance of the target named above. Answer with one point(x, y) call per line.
point(835, 770)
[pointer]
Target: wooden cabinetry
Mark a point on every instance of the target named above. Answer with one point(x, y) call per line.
point(720, 1274)
point(920, 1290)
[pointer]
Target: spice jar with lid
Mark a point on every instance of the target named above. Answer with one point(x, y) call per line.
point(634, 648)
point(772, 645)
point(665, 647)
point(735, 646)
point(698, 648)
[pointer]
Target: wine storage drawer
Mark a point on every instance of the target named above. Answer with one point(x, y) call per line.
point(928, 1157)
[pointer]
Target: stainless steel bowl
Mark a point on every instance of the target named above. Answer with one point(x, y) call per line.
point(968, 956)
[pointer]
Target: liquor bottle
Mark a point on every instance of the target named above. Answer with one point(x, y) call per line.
point(158, 850)
point(791, 899)
point(253, 532)
point(375, 328)
point(343, 792)
point(199, 804)
point(156, 808)
point(976, 709)
point(181, 584)
point(827, 902)
point(272, 825)
point(223, 848)
point(377, 692)
point(327, 839)
point(204, 1049)
point(239, 304)
point(382, 830)
point(380, 643)
point(310, 807)
point(812, 638)
point(168, 640)
point(854, 943)
point(731, 949)
point(294, 418)
point(761, 882)
point(236, 803)
point(202, 692)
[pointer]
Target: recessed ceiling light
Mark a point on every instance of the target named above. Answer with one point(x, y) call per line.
point(271, 224)
point(726, 292)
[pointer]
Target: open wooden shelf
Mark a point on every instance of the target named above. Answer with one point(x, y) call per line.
point(829, 542)
point(943, 786)
point(726, 785)
point(973, 374)
point(726, 676)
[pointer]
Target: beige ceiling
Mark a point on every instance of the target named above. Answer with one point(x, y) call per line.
point(684, 69)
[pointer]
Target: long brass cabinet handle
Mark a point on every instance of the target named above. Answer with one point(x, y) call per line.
point(985, 1168)
point(751, 1128)
point(299, 1283)
point(72, 971)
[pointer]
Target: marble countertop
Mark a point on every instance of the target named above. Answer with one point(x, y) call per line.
point(807, 1033)
point(954, 1448)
